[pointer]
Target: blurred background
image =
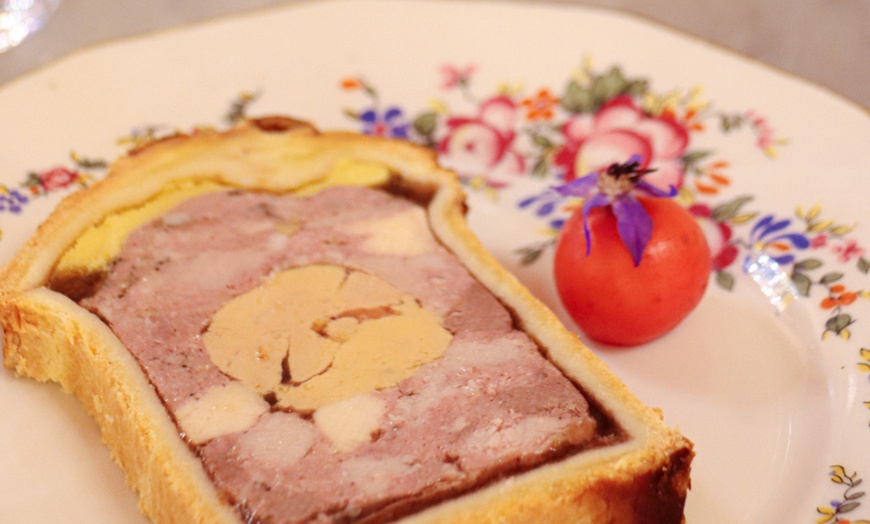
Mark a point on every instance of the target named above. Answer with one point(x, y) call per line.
point(824, 41)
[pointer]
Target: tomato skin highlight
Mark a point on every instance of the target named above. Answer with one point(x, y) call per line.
point(617, 303)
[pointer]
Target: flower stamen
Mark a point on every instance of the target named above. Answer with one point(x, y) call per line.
point(616, 187)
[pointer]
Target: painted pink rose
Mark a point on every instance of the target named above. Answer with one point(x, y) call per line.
point(57, 178)
point(484, 144)
point(618, 130)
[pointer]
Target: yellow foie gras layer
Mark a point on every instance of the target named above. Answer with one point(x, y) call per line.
point(101, 243)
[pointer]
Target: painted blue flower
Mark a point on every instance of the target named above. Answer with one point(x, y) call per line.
point(546, 202)
point(557, 223)
point(769, 232)
point(618, 187)
point(390, 124)
point(12, 201)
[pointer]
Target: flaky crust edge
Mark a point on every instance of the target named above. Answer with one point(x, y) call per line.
point(48, 337)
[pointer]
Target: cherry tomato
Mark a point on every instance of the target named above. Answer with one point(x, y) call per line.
point(617, 303)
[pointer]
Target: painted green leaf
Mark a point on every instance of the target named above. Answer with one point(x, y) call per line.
point(542, 141)
point(726, 211)
point(636, 88)
point(89, 163)
point(728, 123)
point(831, 277)
point(839, 322)
point(425, 123)
point(863, 265)
point(848, 506)
point(540, 168)
point(802, 283)
point(576, 99)
point(608, 86)
point(530, 254)
point(810, 263)
point(725, 280)
point(853, 496)
point(694, 157)
point(32, 180)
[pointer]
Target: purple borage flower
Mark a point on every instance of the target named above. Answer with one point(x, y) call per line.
point(617, 187)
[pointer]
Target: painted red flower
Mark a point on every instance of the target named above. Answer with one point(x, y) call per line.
point(57, 178)
point(764, 132)
point(484, 144)
point(620, 130)
point(453, 76)
point(848, 250)
point(718, 234)
point(820, 240)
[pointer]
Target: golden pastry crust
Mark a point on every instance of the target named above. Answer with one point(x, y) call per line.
point(47, 336)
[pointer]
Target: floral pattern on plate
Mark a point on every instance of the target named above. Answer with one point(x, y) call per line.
point(848, 502)
point(601, 118)
point(41, 183)
point(598, 119)
point(557, 135)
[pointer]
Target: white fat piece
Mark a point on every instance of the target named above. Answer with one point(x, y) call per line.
point(352, 421)
point(221, 410)
point(404, 234)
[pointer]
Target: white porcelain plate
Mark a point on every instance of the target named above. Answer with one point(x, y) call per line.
point(514, 96)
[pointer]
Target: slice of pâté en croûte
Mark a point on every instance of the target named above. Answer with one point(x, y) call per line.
point(274, 324)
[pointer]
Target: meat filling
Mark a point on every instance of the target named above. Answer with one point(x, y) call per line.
point(329, 360)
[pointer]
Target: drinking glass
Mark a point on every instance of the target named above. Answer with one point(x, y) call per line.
point(21, 18)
